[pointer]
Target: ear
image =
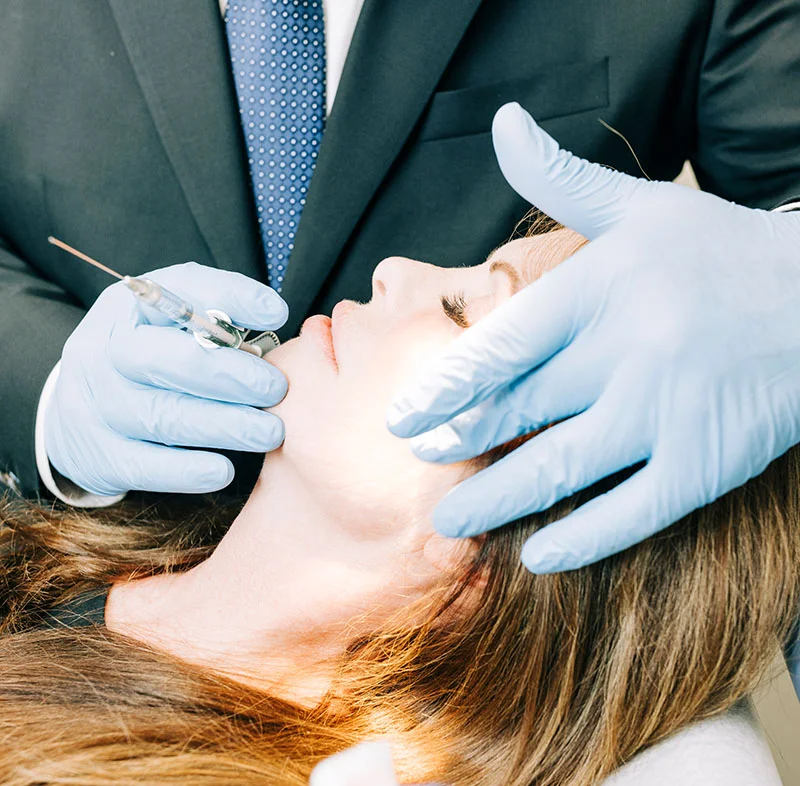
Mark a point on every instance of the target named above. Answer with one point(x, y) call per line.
point(448, 555)
point(452, 557)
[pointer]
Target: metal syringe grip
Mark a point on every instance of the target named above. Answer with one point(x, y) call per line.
point(218, 330)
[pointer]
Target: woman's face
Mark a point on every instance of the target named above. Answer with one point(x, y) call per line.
point(343, 371)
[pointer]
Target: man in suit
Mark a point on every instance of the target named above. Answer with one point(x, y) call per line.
point(120, 132)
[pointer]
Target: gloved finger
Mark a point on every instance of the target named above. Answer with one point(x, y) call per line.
point(171, 359)
point(626, 515)
point(515, 338)
point(249, 303)
point(368, 764)
point(553, 465)
point(553, 392)
point(175, 470)
point(586, 197)
point(170, 418)
point(143, 466)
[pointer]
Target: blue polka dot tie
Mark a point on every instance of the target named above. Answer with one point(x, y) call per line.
point(278, 54)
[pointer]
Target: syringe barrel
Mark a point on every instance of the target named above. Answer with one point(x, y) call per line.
point(161, 299)
point(215, 328)
point(207, 326)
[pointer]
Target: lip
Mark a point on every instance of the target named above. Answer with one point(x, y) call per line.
point(320, 327)
point(339, 317)
point(340, 311)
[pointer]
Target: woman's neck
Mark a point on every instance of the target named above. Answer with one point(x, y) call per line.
point(283, 593)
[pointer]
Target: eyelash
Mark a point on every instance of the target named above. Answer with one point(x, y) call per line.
point(455, 307)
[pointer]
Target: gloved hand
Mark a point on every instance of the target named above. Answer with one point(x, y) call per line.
point(132, 385)
point(672, 338)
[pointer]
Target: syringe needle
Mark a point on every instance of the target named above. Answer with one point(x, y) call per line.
point(74, 251)
point(215, 330)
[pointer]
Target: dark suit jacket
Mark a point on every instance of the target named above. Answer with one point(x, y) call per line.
point(119, 133)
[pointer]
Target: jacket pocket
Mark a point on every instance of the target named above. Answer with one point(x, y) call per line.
point(558, 91)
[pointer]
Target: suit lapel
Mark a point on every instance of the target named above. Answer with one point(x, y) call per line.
point(180, 57)
point(398, 54)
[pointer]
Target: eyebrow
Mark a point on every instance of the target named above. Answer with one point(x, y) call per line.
point(511, 272)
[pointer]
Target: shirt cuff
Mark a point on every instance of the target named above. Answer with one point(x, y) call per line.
point(60, 487)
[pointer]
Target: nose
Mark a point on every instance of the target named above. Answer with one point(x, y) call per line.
point(389, 274)
point(396, 278)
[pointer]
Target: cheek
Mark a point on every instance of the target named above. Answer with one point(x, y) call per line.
point(381, 365)
point(379, 369)
point(380, 476)
point(336, 433)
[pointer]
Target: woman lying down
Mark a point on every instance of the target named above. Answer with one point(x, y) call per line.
point(243, 646)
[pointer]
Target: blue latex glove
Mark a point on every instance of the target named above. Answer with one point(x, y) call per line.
point(132, 385)
point(672, 338)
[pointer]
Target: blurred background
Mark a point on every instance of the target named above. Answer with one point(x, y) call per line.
point(779, 711)
point(776, 702)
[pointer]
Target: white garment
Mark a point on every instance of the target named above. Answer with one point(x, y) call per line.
point(340, 23)
point(729, 750)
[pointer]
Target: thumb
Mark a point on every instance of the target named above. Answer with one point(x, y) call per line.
point(583, 196)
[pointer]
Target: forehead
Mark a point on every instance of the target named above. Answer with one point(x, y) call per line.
point(533, 256)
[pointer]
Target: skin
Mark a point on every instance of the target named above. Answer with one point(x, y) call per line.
point(336, 538)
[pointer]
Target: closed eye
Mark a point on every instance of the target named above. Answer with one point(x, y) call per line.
point(455, 307)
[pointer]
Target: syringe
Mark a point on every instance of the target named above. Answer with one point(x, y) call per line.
point(211, 328)
point(208, 326)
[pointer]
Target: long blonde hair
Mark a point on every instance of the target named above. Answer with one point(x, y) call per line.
point(550, 680)
point(546, 681)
